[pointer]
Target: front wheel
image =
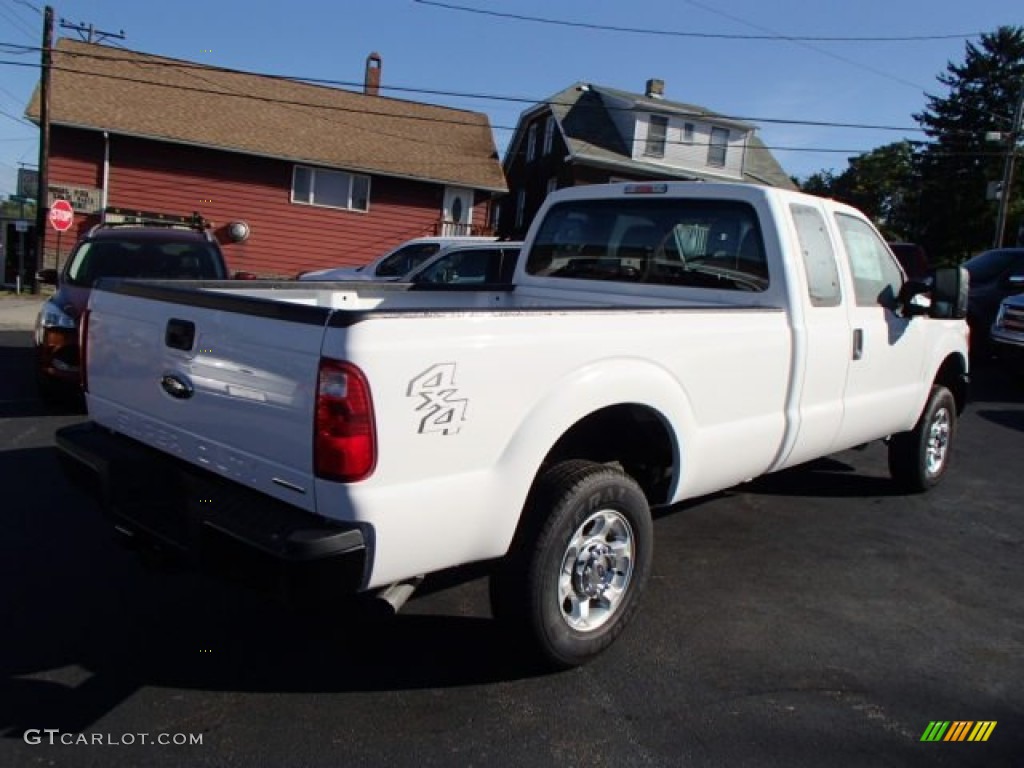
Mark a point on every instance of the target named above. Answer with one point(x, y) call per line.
point(575, 579)
point(919, 458)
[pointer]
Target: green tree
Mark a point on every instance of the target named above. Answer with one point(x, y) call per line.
point(958, 163)
point(883, 183)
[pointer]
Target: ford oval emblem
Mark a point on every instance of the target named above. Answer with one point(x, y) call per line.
point(177, 386)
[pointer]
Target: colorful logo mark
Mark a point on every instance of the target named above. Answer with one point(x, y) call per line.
point(958, 730)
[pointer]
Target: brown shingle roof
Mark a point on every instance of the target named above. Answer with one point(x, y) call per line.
point(111, 89)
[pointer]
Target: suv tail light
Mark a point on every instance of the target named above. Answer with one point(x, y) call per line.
point(83, 350)
point(345, 439)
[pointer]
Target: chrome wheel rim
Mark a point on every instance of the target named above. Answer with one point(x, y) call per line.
point(938, 441)
point(596, 571)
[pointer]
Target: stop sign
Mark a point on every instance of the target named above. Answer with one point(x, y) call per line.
point(62, 215)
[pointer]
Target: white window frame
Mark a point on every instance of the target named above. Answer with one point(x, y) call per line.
point(652, 147)
point(531, 142)
point(688, 131)
point(314, 172)
point(549, 135)
point(715, 147)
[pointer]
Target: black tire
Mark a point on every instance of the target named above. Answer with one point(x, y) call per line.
point(918, 459)
point(579, 564)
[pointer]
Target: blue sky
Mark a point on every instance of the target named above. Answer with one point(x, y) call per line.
point(434, 48)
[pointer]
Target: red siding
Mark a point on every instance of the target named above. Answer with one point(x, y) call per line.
point(286, 238)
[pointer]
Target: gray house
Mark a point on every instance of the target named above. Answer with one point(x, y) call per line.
point(592, 134)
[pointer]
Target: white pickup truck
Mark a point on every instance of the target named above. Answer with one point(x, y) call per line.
point(660, 342)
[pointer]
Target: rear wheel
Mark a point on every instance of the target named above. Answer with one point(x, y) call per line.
point(919, 458)
point(574, 578)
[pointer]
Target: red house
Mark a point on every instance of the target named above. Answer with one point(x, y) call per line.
point(319, 176)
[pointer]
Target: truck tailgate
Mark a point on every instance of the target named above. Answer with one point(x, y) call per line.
point(227, 389)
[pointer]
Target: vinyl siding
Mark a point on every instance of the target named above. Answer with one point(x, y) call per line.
point(691, 156)
point(223, 187)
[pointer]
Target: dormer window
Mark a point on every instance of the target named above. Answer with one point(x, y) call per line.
point(531, 143)
point(657, 132)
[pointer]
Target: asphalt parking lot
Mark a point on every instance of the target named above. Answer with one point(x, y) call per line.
point(811, 618)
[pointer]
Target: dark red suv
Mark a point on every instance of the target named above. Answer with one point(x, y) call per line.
point(159, 252)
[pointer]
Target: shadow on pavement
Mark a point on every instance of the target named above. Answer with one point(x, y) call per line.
point(19, 397)
point(1004, 418)
point(827, 478)
point(72, 599)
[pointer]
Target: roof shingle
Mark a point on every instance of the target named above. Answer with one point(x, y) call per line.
point(126, 92)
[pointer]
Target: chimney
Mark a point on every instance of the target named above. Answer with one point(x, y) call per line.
point(371, 85)
point(655, 89)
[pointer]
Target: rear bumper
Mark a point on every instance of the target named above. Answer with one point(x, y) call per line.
point(158, 500)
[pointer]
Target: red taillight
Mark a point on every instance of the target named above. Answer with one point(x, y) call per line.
point(345, 440)
point(83, 350)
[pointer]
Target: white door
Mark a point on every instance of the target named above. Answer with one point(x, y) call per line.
point(825, 326)
point(884, 379)
point(457, 215)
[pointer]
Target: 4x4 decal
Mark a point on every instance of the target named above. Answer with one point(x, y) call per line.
point(442, 411)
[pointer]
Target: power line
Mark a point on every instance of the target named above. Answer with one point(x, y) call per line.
point(33, 6)
point(16, 119)
point(708, 35)
point(16, 21)
point(432, 92)
point(808, 46)
point(320, 107)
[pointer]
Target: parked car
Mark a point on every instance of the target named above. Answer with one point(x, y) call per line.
point(397, 263)
point(995, 275)
point(912, 258)
point(1007, 335)
point(463, 264)
point(111, 251)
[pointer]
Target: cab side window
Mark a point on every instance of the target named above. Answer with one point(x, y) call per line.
point(818, 255)
point(877, 278)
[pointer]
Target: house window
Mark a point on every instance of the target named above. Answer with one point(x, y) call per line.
point(717, 147)
point(531, 143)
point(331, 189)
point(657, 130)
point(552, 184)
point(688, 133)
point(549, 135)
point(520, 207)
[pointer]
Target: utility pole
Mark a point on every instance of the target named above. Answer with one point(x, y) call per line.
point(43, 192)
point(1008, 168)
point(90, 32)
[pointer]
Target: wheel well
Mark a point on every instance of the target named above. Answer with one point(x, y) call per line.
point(634, 436)
point(952, 375)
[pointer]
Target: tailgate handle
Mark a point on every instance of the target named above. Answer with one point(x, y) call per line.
point(180, 334)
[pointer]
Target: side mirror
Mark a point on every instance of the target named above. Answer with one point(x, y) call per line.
point(47, 276)
point(949, 293)
point(913, 298)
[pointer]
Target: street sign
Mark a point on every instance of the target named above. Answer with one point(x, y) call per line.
point(62, 215)
point(84, 199)
point(28, 183)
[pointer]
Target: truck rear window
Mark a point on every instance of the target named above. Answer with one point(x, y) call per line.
point(700, 243)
